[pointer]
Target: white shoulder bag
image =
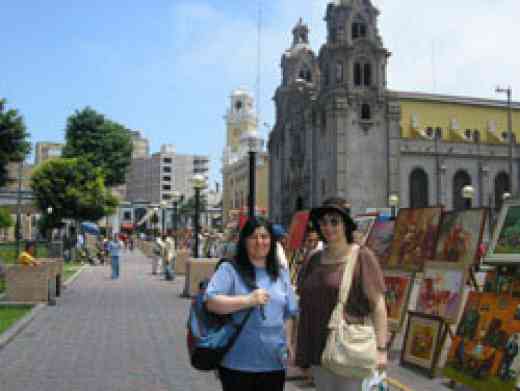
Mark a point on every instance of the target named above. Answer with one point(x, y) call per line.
point(351, 349)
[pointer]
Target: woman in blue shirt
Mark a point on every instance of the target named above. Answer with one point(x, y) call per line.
point(258, 359)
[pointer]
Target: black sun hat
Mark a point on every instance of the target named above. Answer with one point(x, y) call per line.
point(336, 205)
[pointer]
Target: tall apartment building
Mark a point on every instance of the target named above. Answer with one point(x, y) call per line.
point(153, 179)
point(46, 150)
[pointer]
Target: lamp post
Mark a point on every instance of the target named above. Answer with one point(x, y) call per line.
point(393, 201)
point(17, 228)
point(254, 143)
point(49, 213)
point(199, 183)
point(175, 200)
point(509, 92)
point(163, 204)
point(468, 192)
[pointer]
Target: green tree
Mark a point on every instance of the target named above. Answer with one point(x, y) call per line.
point(6, 220)
point(14, 144)
point(102, 142)
point(74, 189)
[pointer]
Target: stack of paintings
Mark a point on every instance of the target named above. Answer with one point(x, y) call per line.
point(484, 354)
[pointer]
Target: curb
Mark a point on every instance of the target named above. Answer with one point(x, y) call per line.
point(20, 325)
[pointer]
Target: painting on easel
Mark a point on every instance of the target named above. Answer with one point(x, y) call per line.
point(460, 235)
point(398, 288)
point(380, 240)
point(484, 353)
point(415, 237)
point(441, 290)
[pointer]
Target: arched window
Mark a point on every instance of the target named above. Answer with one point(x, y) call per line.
point(357, 74)
point(359, 30)
point(419, 189)
point(299, 204)
point(460, 180)
point(365, 112)
point(367, 75)
point(501, 187)
point(339, 72)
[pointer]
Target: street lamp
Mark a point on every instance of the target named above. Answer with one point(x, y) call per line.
point(199, 183)
point(509, 92)
point(49, 213)
point(468, 192)
point(254, 143)
point(393, 201)
point(163, 204)
point(506, 196)
point(175, 200)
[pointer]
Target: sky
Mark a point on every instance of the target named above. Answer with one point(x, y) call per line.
point(168, 67)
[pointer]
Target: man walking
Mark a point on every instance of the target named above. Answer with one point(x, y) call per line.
point(114, 248)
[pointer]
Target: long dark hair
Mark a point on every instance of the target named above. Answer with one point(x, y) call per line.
point(242, 258)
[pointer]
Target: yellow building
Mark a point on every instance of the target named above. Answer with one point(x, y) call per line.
point(241, 120)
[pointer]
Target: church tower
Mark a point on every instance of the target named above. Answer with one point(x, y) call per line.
point(353, 108)
point(240, 119)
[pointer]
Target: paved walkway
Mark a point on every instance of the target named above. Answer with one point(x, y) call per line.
point(121, 335)
point(106, 335)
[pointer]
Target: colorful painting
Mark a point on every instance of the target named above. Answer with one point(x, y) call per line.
point(398, 287)
point(415, 237)
point(460, 235)
point(380, 240)
point(504, 280)
point(484, 354)
point(509, 236)
point(424, 334)
point(364, 226)
point(441, 290)
point(297, 230)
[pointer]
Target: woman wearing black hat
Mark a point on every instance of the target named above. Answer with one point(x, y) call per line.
point(320, 288)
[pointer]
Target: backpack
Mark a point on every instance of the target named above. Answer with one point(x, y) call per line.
point(210, 336)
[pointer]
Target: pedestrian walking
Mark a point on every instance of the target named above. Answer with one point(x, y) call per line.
point(259, 357)
point(115, 247)
point(319, 292)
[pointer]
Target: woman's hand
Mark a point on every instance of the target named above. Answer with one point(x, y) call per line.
point(381, 360)
point(291, 354)
point(259, 297)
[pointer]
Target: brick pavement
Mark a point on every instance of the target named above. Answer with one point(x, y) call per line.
point(119, 335)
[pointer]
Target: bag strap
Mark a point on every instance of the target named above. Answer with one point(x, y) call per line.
point(346, 283)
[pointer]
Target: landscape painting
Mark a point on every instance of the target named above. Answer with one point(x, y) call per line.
point(398, 287)
point(380, 240)
point(509, 236)
point(415, 238)
point(424, 334)
point(460, 235)
point(484, 354)
point(441, 290)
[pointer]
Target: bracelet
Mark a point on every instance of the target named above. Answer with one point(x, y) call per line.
point(382, 349)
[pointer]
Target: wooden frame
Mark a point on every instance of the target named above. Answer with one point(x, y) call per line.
point(423, 332)
point(395, 323)
point(440, 303)
point(495, 254)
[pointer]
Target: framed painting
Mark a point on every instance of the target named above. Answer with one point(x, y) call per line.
point(415, 238)
point(505, 246)
point(442, 289)
point(380, 240)
point(364, 226)
point(398, 289)
point(460, 235)
point(422, 342)
point(484, 353)
point(297, 229)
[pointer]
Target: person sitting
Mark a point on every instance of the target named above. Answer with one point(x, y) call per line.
point(27, 257)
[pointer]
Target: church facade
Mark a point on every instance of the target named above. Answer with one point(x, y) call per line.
point(340, 131)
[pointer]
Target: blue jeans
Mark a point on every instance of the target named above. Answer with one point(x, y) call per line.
point(115, 267)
